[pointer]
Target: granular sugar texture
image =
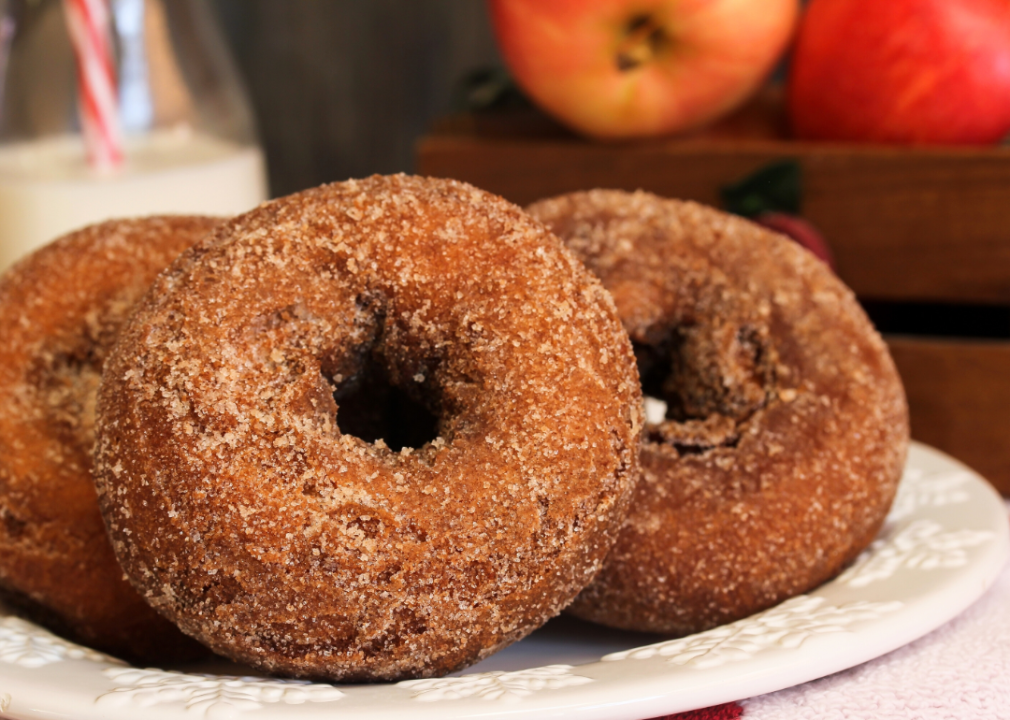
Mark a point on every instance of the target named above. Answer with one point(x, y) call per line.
point(61, 309)
point(786, 425)
point(237, 505)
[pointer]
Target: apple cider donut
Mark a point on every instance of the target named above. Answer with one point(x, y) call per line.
point(60, 311)
point(244, 511)
point(785, 427)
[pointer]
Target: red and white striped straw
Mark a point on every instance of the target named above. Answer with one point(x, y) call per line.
point(89, 24)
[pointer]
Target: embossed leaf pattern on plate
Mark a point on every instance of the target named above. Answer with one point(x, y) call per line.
point(507, 687)
point(922, 489)
point(27, 645)
point(210, 696)
point(784, 626)
point(921, 545)
point(795, 642)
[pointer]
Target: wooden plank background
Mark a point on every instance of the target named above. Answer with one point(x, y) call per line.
point(930, 225)
point(959, 395)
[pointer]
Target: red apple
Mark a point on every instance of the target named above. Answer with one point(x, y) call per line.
point(799, 230)
point(907, 71)
point(632, 68)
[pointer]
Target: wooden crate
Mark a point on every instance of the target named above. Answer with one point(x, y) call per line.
point(922, 225)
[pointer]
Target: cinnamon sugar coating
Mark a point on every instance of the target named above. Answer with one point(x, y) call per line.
point(240, 509)
point(60, 312)
point(786, 426)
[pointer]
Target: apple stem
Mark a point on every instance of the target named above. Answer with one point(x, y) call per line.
point(643, 40)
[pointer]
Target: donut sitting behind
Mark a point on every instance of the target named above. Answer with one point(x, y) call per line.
point(786, 426)
point(60, 311)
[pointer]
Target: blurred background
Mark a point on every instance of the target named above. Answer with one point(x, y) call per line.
point(344, 88)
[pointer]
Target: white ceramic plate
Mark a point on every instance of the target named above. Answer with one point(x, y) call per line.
point(944, 543)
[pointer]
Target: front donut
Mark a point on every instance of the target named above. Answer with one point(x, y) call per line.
point(242, 507)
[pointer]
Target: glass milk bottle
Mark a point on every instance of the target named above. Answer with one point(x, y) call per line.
point(117, 108)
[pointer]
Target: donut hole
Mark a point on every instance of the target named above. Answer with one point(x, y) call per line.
point(371, 408)
point(67, 386)
point(670, 379)
point(655, 366)
point(702, 382)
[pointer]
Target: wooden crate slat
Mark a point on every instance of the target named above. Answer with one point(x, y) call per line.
point(959, 397)
point(904, 224)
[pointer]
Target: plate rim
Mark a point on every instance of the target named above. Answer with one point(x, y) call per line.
point(61, 688)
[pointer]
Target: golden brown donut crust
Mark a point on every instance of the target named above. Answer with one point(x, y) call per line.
point(239, 508)
point(786, 428)
point(60, 311)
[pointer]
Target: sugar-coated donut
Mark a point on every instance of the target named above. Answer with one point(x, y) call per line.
point(786, 425)
point(241, 510)
point(60, 311)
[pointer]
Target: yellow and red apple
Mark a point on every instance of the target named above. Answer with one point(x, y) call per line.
point(633, 68)
point(907, 71)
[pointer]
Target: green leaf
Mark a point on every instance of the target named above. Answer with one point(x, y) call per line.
point(487, 89)
point(776, 187)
